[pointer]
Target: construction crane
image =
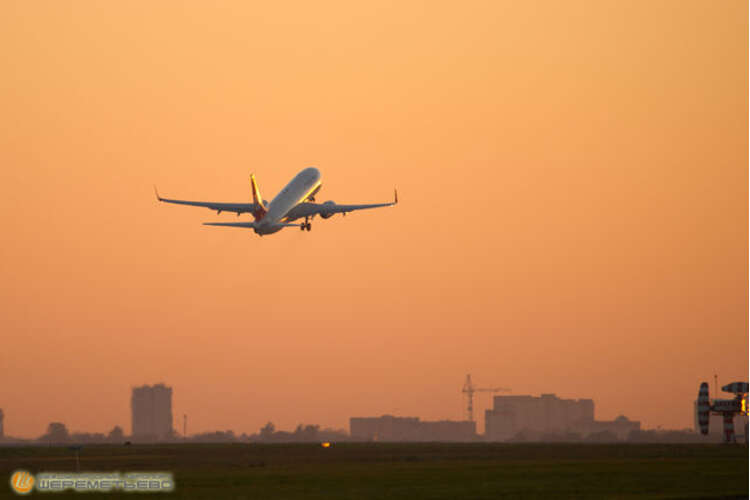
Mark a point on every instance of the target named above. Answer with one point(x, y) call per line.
point(469, 389)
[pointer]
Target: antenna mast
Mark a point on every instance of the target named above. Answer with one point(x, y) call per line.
point(716, 385)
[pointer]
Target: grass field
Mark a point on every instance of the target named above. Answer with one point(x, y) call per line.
point(410, 470)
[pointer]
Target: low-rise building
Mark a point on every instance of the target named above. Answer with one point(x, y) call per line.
point(390, 428)
point(621, 427)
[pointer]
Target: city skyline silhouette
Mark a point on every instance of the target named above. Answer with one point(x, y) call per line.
point(572, 218)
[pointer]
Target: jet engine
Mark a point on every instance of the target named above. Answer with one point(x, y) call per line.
point(325, 214)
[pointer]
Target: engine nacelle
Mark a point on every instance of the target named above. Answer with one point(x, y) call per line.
point(325, 214)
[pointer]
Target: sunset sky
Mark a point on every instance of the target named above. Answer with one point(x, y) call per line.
point(573, 184)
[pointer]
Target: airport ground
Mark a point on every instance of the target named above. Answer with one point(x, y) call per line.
point(409, 470)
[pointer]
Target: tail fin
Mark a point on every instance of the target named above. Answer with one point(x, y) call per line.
point(260, 207)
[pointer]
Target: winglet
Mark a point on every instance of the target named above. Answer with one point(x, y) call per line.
point(395, 196)
point(157, 193)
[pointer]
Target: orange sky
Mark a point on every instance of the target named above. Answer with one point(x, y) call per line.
point(573, 219)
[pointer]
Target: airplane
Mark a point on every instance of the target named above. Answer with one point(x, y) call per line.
point(295, 201)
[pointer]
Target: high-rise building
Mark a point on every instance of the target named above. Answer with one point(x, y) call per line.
point(514, 416)
point(151, 408)
point(545, 414)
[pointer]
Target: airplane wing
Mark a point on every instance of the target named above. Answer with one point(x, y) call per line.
point(237, 208)
point(248, 225)
point(328, 209)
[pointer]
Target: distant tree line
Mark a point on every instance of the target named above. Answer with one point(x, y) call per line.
point(302, 434)
point(57, 434)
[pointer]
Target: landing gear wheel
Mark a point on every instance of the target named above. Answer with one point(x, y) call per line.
point(308, 226)
point(301, 227)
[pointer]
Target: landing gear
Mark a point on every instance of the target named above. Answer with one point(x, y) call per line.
point(306, 224)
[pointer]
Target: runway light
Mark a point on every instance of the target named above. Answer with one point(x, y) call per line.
point(326, 444)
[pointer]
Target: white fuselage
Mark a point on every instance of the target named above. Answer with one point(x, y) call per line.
point(299, 189)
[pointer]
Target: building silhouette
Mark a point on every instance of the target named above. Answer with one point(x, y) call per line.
point(621, 427)
point(390, 428)
point(151, 408)
point(512, 416)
